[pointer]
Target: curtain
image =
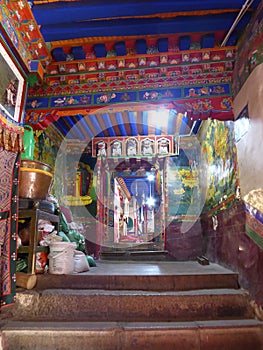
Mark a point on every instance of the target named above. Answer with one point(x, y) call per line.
point(9, 167)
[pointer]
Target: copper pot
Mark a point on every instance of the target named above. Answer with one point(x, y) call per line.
point(35, 179)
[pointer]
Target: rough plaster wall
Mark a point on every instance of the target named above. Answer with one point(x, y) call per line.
point(250, 147)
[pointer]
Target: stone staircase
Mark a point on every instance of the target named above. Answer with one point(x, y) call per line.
point(147, 251)
point(117, 311)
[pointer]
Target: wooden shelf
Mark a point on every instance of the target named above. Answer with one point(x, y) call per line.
point(26, 249)
point(35, 215)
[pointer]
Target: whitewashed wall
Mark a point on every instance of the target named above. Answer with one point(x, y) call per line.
point(250, 147)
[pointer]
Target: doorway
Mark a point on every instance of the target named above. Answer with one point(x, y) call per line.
point(133, 216)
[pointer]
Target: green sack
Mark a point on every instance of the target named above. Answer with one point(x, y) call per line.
point(91, 261)
point(29, 143)
point(63, 224)
point(64, 237)
point(78, 238)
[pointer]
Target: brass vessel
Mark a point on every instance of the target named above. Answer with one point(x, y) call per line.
point(35, 179)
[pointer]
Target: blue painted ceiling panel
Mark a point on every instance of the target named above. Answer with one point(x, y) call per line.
point(65, 20)
point(108, 124)
point(133, 123)
point(84, 128)
point(119, 121)
point(145, 122)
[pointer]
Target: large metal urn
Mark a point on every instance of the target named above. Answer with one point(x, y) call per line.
point(35, 179)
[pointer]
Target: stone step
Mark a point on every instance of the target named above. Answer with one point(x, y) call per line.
point(132, 306)
point(160, 276)
point(139, 282)
point(201, 335)
point(131, 246)
point(136, 255)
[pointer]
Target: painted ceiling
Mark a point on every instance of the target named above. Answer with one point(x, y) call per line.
point(73, 20)
point(86, 30)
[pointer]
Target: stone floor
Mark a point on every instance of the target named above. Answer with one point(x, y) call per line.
point(110, 274)
point(154, 268)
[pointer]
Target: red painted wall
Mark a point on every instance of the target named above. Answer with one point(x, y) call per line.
point(230, 246)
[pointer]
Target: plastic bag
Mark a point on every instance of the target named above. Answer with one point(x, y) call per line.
point(80, 262)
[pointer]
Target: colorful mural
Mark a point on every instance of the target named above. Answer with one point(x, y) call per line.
point(45, 149)
point(19, 24)
point(109, 74)
point(197, 82)
point(218, 165)
point(212, 97)
point(183, 192)
point(250, 51)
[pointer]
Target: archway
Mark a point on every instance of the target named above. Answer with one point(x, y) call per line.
point(158, 147)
